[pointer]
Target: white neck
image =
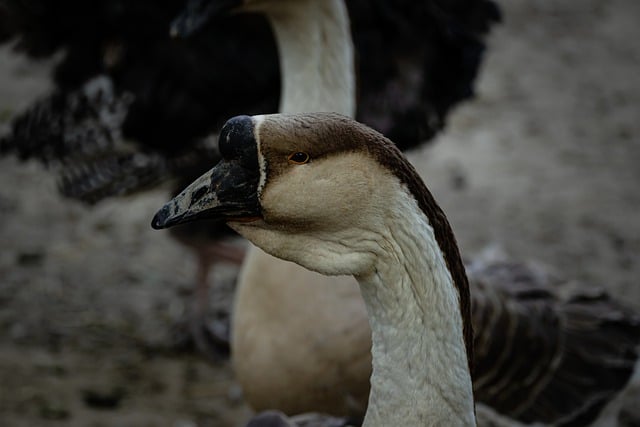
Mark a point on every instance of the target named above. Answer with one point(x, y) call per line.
point(316, 55)
point(420, 369)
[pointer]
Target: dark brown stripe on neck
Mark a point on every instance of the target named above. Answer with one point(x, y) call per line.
point(389, 156)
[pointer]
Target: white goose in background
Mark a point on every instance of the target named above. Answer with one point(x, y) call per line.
point(282, 183)
point(300, 341)
point(286, 318)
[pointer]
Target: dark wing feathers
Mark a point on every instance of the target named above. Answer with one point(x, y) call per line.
point(83, 123)
point(113, 174)
point(543, 358)
point(78, 134)
point(415, 61)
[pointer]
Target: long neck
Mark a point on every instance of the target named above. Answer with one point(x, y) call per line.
point(316, 55)
point(420, 370)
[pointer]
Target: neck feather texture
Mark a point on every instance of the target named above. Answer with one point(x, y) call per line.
point(316, 55)
point(420, 370)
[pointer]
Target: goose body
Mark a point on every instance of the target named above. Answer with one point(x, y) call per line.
point(403, 254)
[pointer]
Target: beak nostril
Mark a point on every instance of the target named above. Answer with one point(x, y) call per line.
point(199, 194)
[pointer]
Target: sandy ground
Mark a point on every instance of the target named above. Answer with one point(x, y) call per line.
point(543, 164)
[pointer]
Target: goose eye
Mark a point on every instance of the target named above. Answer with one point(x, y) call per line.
point(298, 158)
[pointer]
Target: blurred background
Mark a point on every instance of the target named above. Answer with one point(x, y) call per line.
point(542, 164)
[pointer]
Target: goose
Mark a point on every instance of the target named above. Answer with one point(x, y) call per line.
point(132, 108)
point(300, 341)
point(282, 184)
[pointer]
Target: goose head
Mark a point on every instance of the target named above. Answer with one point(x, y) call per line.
point(309, 188)
point(337, 197)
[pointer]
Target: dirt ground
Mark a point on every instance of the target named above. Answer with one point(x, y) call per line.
point(543, 164)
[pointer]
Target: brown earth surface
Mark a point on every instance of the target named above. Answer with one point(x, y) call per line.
point(544, 164)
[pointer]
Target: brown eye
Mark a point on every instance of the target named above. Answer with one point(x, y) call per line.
point(298, 158)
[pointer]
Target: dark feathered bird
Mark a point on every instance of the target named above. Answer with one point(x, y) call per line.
point(414, 62)
point(132, 105)
point(165, 94)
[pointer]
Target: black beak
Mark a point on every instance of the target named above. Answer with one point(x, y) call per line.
point(226, 192)
point(197, 13)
